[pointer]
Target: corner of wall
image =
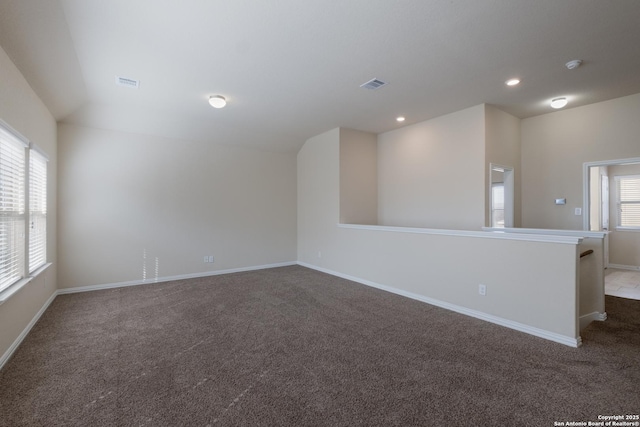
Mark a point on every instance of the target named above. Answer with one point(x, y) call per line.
point(358, 177)
point(503, 146)
point(318, 199)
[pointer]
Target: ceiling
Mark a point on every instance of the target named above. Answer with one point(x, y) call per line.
point(292, 69)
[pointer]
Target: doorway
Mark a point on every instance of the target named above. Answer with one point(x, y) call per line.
point(610, 206)
point(501, 196)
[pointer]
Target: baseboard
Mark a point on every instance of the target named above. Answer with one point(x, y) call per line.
point(625, 267)
point(588, 318)
point(13, 347)
point(541, 333)
point(170, 278)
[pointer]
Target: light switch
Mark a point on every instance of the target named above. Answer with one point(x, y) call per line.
point(578, 211)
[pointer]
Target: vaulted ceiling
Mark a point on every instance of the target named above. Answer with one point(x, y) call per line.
point(292, 69)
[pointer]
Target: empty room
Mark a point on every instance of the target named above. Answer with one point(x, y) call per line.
point(312, 213)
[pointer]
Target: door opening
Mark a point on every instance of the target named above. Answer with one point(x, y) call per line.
point(501, 196)
point(601, 200)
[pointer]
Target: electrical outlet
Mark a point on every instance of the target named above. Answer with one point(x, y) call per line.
point(482, 289)
point(211, 258)
point(206, 258)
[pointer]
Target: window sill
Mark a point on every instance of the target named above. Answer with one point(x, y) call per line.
point(13, 289)
point(632, 229)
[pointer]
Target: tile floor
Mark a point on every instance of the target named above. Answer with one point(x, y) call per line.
point(622, 283)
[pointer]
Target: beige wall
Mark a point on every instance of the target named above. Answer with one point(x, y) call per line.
point(624, 245)
point(532, 283)
point(432, 174)
point(435, 160)
point(318, 196)
point(136, 207)
point(591, 268)
point(502, 147)
point(358, 177)
point(21, 108)
point(554, 148)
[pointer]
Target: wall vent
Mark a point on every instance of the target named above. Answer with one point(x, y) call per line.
point(373, 84)
point(123, 81)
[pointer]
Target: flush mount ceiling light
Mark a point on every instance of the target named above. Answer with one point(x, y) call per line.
point(400, 119)
point(572, 65)
point(558, 102)
point(512, 82)
point(217, 101)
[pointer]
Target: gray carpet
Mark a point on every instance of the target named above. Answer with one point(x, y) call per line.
point(294, 347)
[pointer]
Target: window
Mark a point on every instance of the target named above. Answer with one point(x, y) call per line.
point(23, 189)
point(628, 201)
point(37, 210)
point(12, 208)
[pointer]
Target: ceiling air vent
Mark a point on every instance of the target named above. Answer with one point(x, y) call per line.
point(123, 81)
point(373, 84)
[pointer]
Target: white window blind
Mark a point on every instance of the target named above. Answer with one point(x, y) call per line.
point(37, 210)
point(628, 201)
point(12, 208)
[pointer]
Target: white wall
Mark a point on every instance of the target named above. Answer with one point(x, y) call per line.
point(432, 174)
point(529, 283)
point(21, 108)
point(136, 207)
point(554, 148)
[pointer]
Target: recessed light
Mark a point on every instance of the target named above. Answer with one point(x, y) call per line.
point(512, 82)
point(400, 119)
point(558, 102)
point(217, 101)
